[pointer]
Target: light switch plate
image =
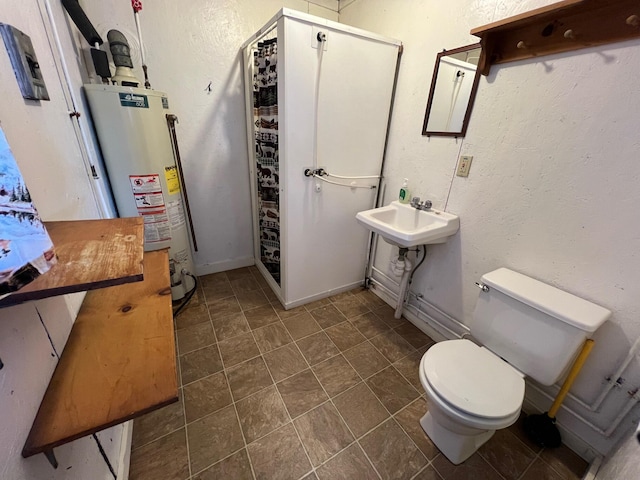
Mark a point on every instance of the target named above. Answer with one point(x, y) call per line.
point(464, 164)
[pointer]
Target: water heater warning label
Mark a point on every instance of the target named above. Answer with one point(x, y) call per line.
point(145, 183)
point(147, 193)
point(171, 175)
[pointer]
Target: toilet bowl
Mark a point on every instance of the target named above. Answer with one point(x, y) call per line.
point(471, 393)
point(524, 327)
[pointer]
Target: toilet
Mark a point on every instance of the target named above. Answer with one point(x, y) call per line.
point(521, 328)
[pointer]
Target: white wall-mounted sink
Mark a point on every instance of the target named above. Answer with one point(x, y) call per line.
point(405, 226)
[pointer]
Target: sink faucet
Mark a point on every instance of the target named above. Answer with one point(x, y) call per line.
point(416, 203)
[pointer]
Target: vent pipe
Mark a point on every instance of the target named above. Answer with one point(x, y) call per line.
point(121, 55)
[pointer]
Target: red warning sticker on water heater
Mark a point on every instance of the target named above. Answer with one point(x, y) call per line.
point(145, 183)
point(147, 193)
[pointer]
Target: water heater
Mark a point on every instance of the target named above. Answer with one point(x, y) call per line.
point(131, 124)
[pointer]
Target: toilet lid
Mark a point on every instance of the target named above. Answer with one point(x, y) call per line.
point(473, 379)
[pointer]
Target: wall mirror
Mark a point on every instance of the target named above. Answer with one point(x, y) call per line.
point(453, 90)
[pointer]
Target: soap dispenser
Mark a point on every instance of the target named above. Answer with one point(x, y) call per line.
point(404, 192)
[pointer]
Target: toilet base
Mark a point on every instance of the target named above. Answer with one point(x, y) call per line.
point(457, 447)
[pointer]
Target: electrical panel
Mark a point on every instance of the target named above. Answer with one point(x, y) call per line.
point(25, 63)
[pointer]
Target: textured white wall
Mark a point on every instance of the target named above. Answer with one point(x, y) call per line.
point(46, 149)
point(188, 45)
point(553, 189)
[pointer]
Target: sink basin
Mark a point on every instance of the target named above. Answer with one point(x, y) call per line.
point(404, 226)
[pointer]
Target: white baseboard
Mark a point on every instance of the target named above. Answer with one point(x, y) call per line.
point(225, 265)
point(125, 450)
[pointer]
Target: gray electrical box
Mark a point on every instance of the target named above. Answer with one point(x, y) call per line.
point(24, 62)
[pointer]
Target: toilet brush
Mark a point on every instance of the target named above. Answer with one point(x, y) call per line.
point(541, 429)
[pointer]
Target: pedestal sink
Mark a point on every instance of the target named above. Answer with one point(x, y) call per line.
point(405, 226)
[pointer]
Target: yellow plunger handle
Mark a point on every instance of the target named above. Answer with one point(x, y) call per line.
point(575, 370)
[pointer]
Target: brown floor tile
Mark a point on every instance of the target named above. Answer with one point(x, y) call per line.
point(565, 462)
point(350, 464)
point(392, 389)
point(261, 413)
point(387, 314)
point(328, 316)
point(271, 337)
point(508, 455)
point(192, 315)
point(351, 306)
point(214, 293)
point(237, 273)
point(474, 468)
point(317, 348)
point(369, 325)
point(336, 375)
point(284, 314)
point(261, 316)
point(235, 467)
point(200, 363)
point(301, 325)
point(409, 420)
point(370, 299)
point(244, 284)
point(413, 335)
point(366, 359)
point(194, 337)
point(392, 452)
point(323, 433)
point(428, 473)
point(301, 393)
point(213, 438)
point(238, 349)
point(251, 299)
point(206, 396)
point(271, 295)
point(213, 279)
point(164, 458)
point(360, 409)
point(392, 346)
point(223, 307)
point(345, 336)
point(541, 470)
point(409, 367)
point(279, 456)
point(284, 362)
point(248, 378)
point(153, 425)
point(230, 325)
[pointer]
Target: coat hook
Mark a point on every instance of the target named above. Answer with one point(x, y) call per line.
point(208, 89)
point(1, 364)
point(569, 34)
point(521, 45)
point(633, 20)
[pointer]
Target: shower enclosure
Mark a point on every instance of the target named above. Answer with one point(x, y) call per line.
point(318, 97)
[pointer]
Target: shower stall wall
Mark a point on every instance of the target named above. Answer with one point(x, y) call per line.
point(318, 99)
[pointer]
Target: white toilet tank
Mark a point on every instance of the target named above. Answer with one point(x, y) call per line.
point(535, 327)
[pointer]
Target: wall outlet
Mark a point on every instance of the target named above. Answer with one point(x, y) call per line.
point(464, 164)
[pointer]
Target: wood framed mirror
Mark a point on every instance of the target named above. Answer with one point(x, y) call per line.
point(453, 91)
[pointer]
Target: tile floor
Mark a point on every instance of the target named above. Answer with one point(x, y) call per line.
point(325, 391)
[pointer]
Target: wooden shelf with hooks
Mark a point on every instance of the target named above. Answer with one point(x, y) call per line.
point(559, 27)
